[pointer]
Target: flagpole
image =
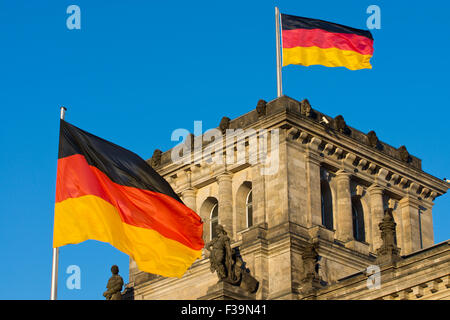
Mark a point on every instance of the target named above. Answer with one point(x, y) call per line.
point(277, 27)
point(55, 258)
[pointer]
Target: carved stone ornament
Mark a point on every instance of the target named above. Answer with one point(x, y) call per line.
point(310, 259)
point(340, 125)
point(305, 108)
point(373, 139)
point(156, 158)
point(228, 263)
point(224, 124)
point(261, 108)
point(114, 285)
point(388, 252)
point(311, 280)
point(404, 154)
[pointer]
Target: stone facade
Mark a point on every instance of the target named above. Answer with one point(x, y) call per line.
point(315, 220)
point(423, 275)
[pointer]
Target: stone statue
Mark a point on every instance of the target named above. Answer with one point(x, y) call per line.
point(114, 286)
point(404, 154)
point(373, 139)
point(221, 255)
point(305, 108)
point(339, 124)
point(228, 263)
point(261, 108)
point(224, 124)
point(156, 158)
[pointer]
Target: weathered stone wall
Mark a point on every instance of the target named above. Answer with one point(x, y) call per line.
point(424, 275)
point(287, 203)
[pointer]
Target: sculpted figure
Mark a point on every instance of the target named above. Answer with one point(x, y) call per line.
point(156, 158)
point(305, 108)
point(404, 155)
point(224, 124)
point(373, 139)
point(114, 286)
point(228, 263)
point(339, 124)
point(221, 256)
point(261, 108)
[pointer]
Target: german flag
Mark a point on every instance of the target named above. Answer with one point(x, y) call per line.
point(309, 42)
point(107, 193)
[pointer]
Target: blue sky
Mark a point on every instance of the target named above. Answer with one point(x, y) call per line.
point(137, 70)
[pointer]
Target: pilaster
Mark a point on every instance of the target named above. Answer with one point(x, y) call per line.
point(376, 214)
point(225, 199)
point(344, 207)
point(313, 179)
point(410, 225)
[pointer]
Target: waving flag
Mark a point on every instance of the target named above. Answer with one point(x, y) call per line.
point(107, 193)
point(308, 42)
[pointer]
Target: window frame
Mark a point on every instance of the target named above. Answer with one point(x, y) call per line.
point(247, 205)
point(213, 220)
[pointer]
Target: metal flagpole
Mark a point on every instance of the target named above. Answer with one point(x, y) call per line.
point(53, 293)
point(277, 27)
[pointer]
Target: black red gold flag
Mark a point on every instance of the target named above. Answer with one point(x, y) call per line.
point(308, 42)
point(107, 193)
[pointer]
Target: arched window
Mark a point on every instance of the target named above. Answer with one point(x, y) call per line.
point(244, 206)
point(214, 221)
point(358, 220)
point(327, 205)
point(249, 209)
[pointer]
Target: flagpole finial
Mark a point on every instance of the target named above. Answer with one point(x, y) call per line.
point(63, 112)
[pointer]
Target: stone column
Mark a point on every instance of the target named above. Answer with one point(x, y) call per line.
point(344, 207)
point(377, 213)
point(410, 225)
point(189, 198)
point(226, 202)
point(313, 177)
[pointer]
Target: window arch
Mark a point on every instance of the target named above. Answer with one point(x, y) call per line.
point(358, 220)
point(209, 215)
point(249, 209)
point(244, 206)
point(214, 221)
point(326, 204)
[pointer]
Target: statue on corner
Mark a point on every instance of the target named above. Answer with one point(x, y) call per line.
point(114, 286)
point(228, 263)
